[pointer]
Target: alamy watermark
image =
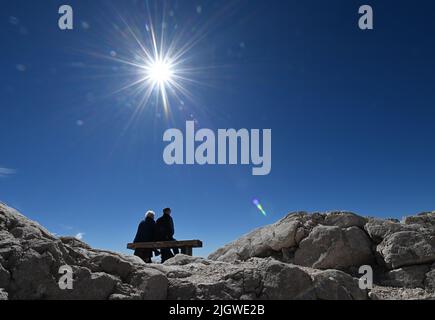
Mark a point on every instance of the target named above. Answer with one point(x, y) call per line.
point(66, 20)
point(366, 280)
point(365, 22)
point(231, 145)
point(66, 280)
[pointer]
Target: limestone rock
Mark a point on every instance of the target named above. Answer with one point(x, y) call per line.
point(264, 241)
point(406, 277)
point(74, 242)
point(344, 219)
point(151, 283)
point(333, 247)
point(425, 219)
point(407, 248)
point(286, 282)
point(30, 258)
point(259, 265)
point(379, 229)
point(337, 285)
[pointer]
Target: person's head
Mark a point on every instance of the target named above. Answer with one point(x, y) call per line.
point(167, 211)
point(150, 214)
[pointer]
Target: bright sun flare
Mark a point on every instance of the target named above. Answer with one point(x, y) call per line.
point(160, 72)
point(159, 65)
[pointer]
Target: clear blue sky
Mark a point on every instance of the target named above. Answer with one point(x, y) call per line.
point(352, 114)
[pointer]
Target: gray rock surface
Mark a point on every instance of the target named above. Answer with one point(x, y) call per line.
point(405, 248)
point(406, 277)
point(337, 285)
point(3, 295)
point(264, 241)
point(344, 219)
point(285, 260)
point(333, 247)
point(429, 281)
point(425, 219)
point(31, 257)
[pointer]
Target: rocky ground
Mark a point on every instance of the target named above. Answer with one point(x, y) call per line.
point(302, 256)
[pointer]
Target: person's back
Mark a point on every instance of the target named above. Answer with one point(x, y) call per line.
point(146, 232)
point(165, 228)
point(165, 232)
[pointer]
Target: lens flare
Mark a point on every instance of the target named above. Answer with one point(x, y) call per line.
point(157, 58)
point(160, 72)
point(258, 205)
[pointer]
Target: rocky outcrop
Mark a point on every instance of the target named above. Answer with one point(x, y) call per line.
point(30, 259)
point(302, 256)
point(267, 240)
point(254, 279)
point(401, 253)
point(332, 240)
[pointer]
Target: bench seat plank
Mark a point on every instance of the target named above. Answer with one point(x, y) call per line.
point(165, 244)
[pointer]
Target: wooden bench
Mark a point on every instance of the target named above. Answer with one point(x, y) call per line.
point(185, 246)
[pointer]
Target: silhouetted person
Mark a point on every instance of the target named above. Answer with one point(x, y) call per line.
point(165, 232)
point(146, 232)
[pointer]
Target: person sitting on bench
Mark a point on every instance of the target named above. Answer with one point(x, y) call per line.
point(165, 232)
point(146, 232)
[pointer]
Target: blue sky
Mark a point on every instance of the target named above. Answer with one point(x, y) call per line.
point(351, 112)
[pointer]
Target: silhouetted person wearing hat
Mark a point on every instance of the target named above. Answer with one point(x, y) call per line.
point(146, 232)
point(165, 232)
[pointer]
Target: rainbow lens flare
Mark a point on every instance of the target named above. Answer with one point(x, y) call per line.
point(257, 203)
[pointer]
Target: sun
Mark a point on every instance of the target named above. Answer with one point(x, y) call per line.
point(157, 65)
point(160, 72)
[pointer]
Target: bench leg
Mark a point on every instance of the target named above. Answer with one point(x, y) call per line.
point(189, 251)
point(184, 250)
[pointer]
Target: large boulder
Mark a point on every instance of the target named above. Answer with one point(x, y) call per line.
point(87, 285)
point(112, 264)
point(286, 282)
point(337, 285)
point(344, 219)
point(379, 229)
point(333, 247)
point(406, 277)
point(152, 284)
point(405, 248)
point(282, 238)
point(265, 241)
